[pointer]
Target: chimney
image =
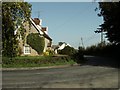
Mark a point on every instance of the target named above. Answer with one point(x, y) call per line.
point(45, 29)
point(36, 21)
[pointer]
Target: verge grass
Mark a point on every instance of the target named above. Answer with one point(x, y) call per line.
point(36, 61)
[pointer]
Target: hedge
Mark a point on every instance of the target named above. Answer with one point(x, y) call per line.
point(36, 42)
point(30, 61)
point(67, 51)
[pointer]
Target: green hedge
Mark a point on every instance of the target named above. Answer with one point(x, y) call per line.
point(106, 50)
point(36, 42)
point(30, 61)
point(67, 51)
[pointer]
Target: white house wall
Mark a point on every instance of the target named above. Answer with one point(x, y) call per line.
point(46, 44)
point(62, 46)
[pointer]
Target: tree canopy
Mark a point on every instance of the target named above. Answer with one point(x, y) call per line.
point(111, 16)
point(13, 15)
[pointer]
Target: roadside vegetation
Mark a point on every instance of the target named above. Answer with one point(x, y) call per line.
point(76, 55)
point(14, 15)
point(109, 51)
point(48, 59)
point(101, 49)
point(36, 61)
point(111, 27)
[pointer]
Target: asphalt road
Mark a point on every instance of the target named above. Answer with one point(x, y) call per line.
point(86, 76)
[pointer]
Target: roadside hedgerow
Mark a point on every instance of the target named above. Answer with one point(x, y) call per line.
point(31, 61)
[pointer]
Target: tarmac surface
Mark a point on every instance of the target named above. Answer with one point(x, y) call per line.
point(85, 76)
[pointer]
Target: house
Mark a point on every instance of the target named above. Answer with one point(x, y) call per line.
point(54, 48)
point(59, 47)
point(36, 27)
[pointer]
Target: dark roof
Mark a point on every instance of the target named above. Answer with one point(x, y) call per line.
point(55, 46)
point(44, 29)
point(36, 21)
point(45, 35)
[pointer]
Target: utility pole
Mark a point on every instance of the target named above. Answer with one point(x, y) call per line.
point(82, 41)
point(101, 32)
point(101, 36)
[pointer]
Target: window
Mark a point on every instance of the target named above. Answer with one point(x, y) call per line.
point(27, 50)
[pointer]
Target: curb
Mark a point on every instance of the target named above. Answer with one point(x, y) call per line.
point(36, 68)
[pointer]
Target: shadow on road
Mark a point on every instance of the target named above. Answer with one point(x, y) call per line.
point(101, 61)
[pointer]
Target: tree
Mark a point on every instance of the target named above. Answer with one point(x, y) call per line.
point(0, 28)
point(14, 13)
point(60, 43)
point(111, 15)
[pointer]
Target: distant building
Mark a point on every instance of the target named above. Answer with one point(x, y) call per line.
point(60, 46)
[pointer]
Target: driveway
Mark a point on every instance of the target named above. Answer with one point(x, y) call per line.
point(85, 76)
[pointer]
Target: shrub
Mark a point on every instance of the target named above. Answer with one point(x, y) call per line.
point(36, 42)
point(67, 51)
point(46, 53)
point(107, 50)
point(50, 52)
point(78, 57)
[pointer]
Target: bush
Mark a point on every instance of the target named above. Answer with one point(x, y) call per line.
point(78, 57)
point(103, 50)
point(48, 53)
point(36, 42)
point(67, 51)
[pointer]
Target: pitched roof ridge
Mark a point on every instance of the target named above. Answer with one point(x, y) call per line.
point(44, 34)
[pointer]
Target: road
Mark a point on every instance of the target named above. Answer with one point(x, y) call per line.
point(85, 76)
point(102, 61)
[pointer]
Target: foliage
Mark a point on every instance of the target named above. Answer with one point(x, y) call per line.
point(81, 50)
point(78, 56)
point(14, 13)
point(60, 43)
point(51, 52)
point(36, 42)
point(108, 50)
point(31, 61)
point(67, 51)
point(48, 53)
point(0, 28)
point(111, 15)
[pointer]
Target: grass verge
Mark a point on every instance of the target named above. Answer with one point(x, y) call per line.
point(36, 61)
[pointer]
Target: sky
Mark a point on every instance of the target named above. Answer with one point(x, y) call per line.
point(70, 22)
point(70, 0)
